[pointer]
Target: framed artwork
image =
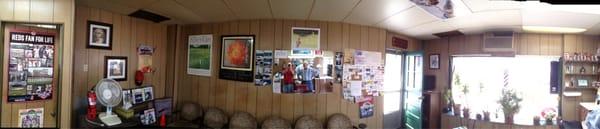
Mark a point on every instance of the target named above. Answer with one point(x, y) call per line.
point(99, 35)
point(305, 38)
point(115, 67)
point(199, 54)
point(237, 62)
point(434, 61)
point(582, 82)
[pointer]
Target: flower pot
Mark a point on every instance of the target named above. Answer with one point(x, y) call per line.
point(486, 116)
point(479, 117)
point(466, 113)
point(549, 122)
point(508, 119)
point(536, 121)
point(456, 109)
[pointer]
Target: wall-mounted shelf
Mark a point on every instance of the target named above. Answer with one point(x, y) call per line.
point(582, 74)
point(580, 88)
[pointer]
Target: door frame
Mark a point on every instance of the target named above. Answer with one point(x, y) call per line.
point(58, 56)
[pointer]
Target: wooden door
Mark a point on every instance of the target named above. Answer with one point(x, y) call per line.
point(10, 110)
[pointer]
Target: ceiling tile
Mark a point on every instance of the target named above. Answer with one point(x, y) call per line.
point(332, 10)
point(489, 18)
point(250, 9)
point(110, 6)
point(479, 30)
point(370, 12)
point(291, 9)
point(137, 4)
point(413, 16)
point(209, 10)
point(534, 17)
point(491, 5)
point(426, 30)
point(174, 10)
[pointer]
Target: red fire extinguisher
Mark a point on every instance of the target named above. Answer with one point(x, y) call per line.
point(91, 110)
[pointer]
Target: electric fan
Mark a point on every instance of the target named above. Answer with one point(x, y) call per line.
point(109, 95)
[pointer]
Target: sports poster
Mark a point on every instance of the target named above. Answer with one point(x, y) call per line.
point(31, 118)
point(31, 66)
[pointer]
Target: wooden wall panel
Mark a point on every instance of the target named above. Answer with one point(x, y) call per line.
point(275, 35)
point(54, 12)
point(128, 34)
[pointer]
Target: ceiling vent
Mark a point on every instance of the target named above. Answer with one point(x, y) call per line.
point(448, 33)
point(143, 14)
point(498, 41)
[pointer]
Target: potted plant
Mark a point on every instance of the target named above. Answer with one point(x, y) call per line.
point(456, 109)
point(479, 116)
point(466, 113)
point(449, 100)
point(465, 90)
point(549, 114)
point(510, 104)
point(536, 120)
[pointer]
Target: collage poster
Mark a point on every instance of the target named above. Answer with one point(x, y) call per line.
point(339, 56)
point(362, 74)
point(366, 107)
point(31, 66)
point(31, 118)
point(264, 62)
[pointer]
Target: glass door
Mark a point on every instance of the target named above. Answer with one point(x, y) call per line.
point(392, 88)
point(413, 90)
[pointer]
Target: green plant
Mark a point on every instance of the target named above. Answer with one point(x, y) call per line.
point(510, 101)
point(448, 96)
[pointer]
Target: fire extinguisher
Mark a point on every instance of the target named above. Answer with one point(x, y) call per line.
point(91, 110)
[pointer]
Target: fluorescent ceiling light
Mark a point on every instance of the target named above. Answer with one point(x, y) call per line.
point(549, 29)
point(460, 8)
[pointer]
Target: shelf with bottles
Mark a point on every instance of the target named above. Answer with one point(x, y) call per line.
point(581, 83)
point(579, 69)
point(580, 58)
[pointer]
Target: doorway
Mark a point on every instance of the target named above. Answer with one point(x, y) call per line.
point(392, 100)
point(30, 75)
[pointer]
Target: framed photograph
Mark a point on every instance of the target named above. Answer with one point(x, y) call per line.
point(305, 38)
point(434, 61)
point(115, 67)
point(138, 95)
point(199, 54)
point(237, 58)
point(31, 118)
point(149, 117)
point(99, 35)
point(582, 82)
point(148, 94)
point(127, 99)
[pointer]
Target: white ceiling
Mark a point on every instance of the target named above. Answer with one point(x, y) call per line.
point(401, 16)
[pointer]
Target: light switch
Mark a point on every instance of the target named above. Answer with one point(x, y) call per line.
point(85, 68)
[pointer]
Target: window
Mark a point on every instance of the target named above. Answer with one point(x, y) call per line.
point(484, 78)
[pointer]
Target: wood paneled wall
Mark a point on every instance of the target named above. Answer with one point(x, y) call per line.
point(128, 34)
point(525, 44)
point(234, 96)
point(54, 12)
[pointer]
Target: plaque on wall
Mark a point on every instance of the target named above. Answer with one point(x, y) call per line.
point(237, 63)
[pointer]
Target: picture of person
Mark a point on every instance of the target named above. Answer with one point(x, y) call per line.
point(305, 38)
point(288, 78)
point(115, 69)
point(99, 35)
point(306, 74)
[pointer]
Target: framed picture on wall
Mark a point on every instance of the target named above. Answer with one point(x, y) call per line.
point(305, 38)
point(434, 61)
point(115, 67)
point(199, 54)
point(99, 35)
point(237, 52)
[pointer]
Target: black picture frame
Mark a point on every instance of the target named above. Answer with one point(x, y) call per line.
point(123, 68)
point(434, 61)
point(244, 74)
point(107, 37)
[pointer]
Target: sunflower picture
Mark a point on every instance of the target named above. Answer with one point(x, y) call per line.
point(237, 53)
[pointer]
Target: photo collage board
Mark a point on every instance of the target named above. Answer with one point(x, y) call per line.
point(362, 75)
point(31, 66)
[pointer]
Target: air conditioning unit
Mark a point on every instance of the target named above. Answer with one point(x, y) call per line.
point(499, 41)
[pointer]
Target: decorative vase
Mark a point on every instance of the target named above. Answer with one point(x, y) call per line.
point(549, 122)
point(508, 119)
point(536, 121)
point(466, 113)
point(479, 117)
point(456, 109)
point(486, 116)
